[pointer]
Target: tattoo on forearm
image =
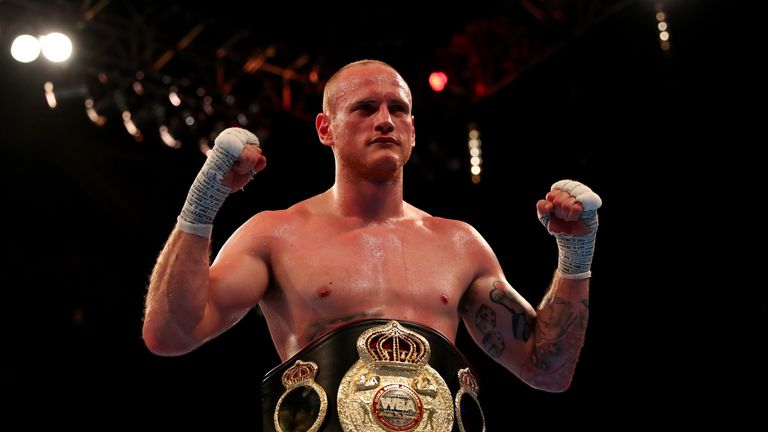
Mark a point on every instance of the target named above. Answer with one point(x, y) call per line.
point(558, 337)
point(485, 321)
point(554, 322)
point(522, 323)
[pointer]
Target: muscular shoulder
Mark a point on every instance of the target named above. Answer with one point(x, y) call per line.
point(467, 245)
point(459, 233)
point(275, 222)
point(264, 227)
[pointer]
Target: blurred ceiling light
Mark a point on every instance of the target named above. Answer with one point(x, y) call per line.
point(25, 48)
point(56, 47)
point(50, 97)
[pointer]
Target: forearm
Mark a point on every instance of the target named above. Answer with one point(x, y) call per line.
point(559, 329)
point(179, 286)
point(569, 212)
point(178, 294)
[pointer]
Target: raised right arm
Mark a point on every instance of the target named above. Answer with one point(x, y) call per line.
point(188, 301)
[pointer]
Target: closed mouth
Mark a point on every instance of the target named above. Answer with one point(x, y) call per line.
point(385, 140)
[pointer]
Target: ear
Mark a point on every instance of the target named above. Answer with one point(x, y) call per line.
point(413, 131)
point(323, 126)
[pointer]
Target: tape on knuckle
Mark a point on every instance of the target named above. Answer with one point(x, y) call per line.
point(587, 197)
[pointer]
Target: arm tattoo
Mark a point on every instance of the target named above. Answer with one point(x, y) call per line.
point(485, 321)
point(493, 343)
point(522, 323)
point(558, 337)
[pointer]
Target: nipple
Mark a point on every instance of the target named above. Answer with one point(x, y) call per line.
point(323, 292)
point(444, 298)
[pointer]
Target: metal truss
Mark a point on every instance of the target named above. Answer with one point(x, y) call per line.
point(175, 46)
point(493, 52)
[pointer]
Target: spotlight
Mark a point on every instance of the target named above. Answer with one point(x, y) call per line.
point(56, 47)
point(25, 48)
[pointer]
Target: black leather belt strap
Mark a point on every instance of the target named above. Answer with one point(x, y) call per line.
point(336, 352)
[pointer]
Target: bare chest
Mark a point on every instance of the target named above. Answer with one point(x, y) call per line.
point(384, 269)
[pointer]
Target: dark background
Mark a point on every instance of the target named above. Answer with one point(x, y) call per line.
point(87, 208)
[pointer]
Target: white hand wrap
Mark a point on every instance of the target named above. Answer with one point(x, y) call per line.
point(208, 193)
point(575, 252)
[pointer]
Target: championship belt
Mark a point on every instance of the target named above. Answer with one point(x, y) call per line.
point(392, 387)
point(373, 375)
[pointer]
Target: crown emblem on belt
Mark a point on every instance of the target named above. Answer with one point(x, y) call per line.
point(468, 381)
point(298, 373)
point(301, 390)
point(392, 387)
point(395, 345)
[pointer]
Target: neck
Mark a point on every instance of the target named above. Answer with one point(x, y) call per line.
point(368, 199)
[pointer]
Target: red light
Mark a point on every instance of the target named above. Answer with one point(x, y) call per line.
point(438, 80)
point(480, 89)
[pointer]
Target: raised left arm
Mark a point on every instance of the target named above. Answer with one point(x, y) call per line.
point(541, 346)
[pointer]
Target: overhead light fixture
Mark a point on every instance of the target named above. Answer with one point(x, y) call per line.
point(56, 47)
point(25, 48)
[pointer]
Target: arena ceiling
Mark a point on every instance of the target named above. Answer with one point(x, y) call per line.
point(276, 53)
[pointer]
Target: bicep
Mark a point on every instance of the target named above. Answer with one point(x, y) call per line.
point(238, 279)
point(500, 320)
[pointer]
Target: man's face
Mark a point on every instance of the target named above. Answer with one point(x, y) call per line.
point(371, 122)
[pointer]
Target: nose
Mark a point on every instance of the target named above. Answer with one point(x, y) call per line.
point(384, 122)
